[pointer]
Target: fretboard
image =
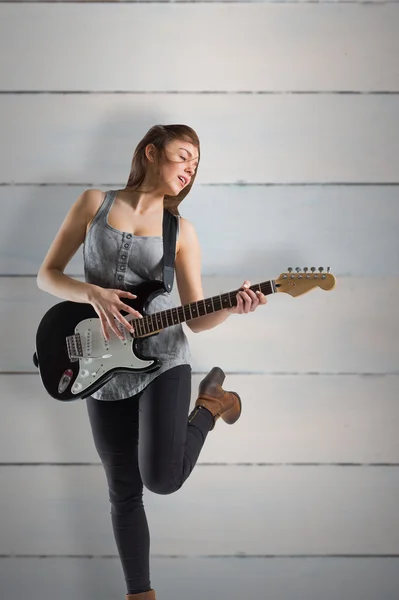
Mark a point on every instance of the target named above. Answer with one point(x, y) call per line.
point(179, 314)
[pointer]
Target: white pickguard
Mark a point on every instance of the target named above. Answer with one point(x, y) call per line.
point(101, 355)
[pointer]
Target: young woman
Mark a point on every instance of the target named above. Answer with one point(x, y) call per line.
point(123, 246)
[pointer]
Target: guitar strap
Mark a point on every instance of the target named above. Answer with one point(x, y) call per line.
point(169, 227)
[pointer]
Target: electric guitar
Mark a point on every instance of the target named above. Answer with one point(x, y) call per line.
point(75, 359)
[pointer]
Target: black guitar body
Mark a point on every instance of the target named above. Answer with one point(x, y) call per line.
point(60, 321)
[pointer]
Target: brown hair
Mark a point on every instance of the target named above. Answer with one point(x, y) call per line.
point(160, 136)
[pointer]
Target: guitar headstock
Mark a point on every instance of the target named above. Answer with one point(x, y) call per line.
point(301, 282)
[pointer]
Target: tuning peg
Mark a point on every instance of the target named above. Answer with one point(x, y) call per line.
point(313, 269)
point(289, 269)
point(321, 269)
point(297, 269)
point(328, 269)
point(305, 269)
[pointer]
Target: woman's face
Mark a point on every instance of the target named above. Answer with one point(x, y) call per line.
point(180, 166)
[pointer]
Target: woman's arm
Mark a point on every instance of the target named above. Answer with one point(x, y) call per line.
point(188, 277)
point(51, 277)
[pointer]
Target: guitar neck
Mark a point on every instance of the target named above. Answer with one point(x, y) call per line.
point(179, 314)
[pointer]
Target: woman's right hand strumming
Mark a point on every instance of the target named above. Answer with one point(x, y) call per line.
point(108, 303)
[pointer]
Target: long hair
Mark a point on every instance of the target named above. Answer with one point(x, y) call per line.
point(160, 136)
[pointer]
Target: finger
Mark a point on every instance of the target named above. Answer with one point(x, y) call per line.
point(254, 300)
point(240, 303)
point(247, 301)
point(104, 326)
point(125, 323)
point(262, 297)
point(124, 294)
point(130, 310)
point(252, 294)
point(112, 324)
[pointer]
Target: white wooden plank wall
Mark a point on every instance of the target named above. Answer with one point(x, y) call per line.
point(297, 107)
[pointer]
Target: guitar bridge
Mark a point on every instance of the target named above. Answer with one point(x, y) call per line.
point(74, 346)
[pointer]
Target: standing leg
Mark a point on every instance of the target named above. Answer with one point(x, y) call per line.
point(115, 431)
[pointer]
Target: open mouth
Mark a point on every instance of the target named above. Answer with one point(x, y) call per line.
point(182, 180)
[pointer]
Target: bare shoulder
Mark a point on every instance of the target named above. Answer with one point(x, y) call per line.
point(73, 230)
point(188, 235)
point(89, 202)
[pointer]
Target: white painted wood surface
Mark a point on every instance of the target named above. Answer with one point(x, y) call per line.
point(90, 139)
point(285, 419)
point(232, 579)
point(218, 511)
point(298, 364)
point(353, 229)
point(281, 47)
point(351, 329)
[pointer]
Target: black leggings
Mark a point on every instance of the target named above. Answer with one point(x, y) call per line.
point(161, 458)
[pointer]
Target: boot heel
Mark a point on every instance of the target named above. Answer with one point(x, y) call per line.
point(232, 415)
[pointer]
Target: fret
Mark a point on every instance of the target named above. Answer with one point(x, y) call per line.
point(202, 307)
point(141, 327)
point(147, 325)
point(213, 306)
point(233, 301)
point(175, 316)
point(194, 310)
point(216, 300)
point(136, 326)
point(186, 308)
point(224, 301)
point(144, 326)
point(189, 307)
point(163, 319)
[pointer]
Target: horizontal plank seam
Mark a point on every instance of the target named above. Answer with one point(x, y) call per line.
point(213, 556)
point(284, 2)
point(239, 183)
point(268, 373)
point(207, 92)
point(214, 464)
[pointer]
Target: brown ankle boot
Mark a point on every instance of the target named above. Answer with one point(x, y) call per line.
point(150, 595)
point(219, 402)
